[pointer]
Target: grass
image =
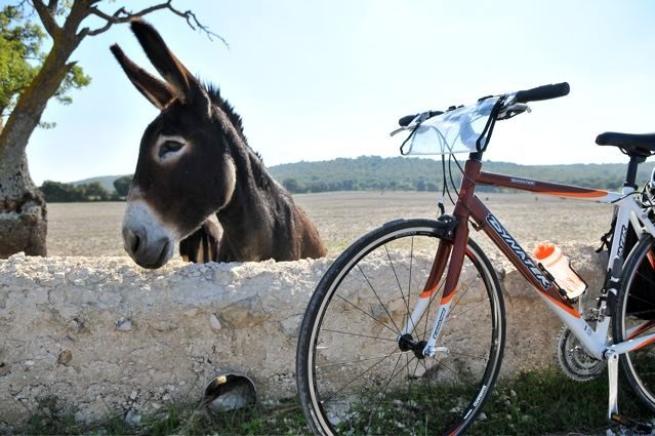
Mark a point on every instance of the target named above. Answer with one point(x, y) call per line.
point(548, 402)
point(537, 402)
point(285, 418)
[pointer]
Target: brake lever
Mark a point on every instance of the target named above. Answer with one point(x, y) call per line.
point(513, 110)
point(398, 130)
point(418, 119)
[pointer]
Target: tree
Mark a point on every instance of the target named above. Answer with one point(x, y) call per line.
point(93, 192)
point(20, 59)
point(292, 185)
point(122, 185)
point(57, 192)
point(23, 213)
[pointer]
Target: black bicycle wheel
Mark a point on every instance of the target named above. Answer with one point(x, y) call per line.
point(634, 316)
point(352, 375)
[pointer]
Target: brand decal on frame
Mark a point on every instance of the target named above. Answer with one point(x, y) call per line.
point(520, 253)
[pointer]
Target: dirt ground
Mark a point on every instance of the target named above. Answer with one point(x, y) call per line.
point(93, 229)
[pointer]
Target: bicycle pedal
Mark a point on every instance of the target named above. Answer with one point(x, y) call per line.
point(633, 427)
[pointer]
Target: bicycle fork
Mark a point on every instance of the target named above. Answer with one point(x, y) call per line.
point(455, 251)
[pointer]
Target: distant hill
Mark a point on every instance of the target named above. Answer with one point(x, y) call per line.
point(399, 173)
point(106, 182)
point(410, 174)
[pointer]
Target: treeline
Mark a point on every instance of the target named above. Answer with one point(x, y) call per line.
point(57, 192)
point(365, 173)
point(373, 173)
point(294, 186)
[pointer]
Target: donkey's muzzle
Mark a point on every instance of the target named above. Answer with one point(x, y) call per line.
point(148, 254)
point(145, 239)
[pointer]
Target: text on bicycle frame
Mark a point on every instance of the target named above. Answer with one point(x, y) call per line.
point(520, 253)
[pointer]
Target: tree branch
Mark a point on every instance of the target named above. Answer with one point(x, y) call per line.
point(52, 7)
point(193, 22)
point(122, 15)
point(47, 19)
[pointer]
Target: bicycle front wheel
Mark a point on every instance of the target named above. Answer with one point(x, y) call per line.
point(353, 377)
point(634, 316)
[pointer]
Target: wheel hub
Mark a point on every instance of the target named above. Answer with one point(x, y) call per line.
point(407, 343)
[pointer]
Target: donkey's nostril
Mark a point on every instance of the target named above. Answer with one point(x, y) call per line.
point(135, 243)
point(133, 240)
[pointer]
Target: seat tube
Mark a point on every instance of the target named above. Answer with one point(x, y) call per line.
point(461, 214)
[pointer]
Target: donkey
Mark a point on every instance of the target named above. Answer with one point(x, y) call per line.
point(202, 245)
point(195, 162)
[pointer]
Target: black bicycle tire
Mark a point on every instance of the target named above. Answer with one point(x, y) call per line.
point(631, 265)
point(304, 347)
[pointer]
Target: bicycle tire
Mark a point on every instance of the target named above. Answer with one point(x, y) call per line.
point(463, 415)
point(635, 364)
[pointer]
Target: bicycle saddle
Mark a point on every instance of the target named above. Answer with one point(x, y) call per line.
point(633, 144)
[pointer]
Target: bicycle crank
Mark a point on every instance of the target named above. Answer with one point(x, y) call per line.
point(574, 360)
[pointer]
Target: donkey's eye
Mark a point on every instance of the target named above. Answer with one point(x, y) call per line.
point(169, 147)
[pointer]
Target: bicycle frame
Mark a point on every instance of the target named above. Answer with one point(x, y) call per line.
point(470, 207)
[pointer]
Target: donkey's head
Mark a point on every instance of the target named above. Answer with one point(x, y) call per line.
point(184, 172)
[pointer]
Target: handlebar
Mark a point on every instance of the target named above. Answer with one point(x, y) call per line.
point(544, 92)
point(539, 93)
point(404, 121)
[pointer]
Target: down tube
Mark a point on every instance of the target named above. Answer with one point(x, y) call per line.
point(512, 250)
point(547, 289)
point(593, 341)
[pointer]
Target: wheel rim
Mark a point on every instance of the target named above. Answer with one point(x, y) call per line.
point(640, 363)
point(379, 387)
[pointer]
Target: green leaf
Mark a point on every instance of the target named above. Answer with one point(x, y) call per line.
point(21, 57)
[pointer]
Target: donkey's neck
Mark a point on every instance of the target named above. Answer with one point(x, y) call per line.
point(251, 217)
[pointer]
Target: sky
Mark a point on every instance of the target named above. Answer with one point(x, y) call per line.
point(319, 80)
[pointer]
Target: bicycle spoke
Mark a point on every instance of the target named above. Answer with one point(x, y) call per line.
point(400, 288)
point(377, 338)
point(441, 364)
point(358, 376)
point(452, 310)
point(468, 309)
point(409, 380)
point(348, 362)
point(457, 353)
point(368, 314)
point(636, 297)
point(648, 279)
point(409, 285)
point(380, 395)
point(378, 297)
point(641, 312)
point(463, 293)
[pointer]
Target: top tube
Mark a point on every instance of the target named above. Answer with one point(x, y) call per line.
point(552, 189)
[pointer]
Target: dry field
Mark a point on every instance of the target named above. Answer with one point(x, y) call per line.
point(93, 229)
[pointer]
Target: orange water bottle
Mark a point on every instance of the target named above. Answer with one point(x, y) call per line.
point(559, 266)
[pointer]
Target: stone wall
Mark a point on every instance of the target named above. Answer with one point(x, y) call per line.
point(104, 337)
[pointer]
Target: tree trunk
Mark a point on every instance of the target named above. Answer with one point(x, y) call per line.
point(23, 214)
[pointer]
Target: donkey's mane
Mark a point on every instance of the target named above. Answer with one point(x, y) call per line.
point(256, 161)
point(215, 96)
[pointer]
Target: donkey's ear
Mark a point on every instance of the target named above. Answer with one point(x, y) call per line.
point(158, 92)
point(171, 69)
